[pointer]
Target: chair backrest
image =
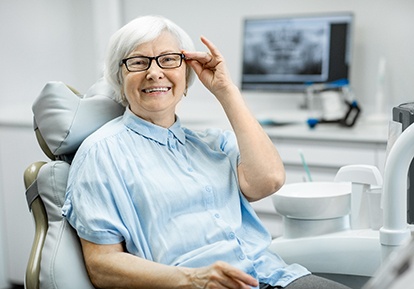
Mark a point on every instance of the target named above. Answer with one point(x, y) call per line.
point(62, 120)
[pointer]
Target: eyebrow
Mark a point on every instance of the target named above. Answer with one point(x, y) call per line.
point(163, 52)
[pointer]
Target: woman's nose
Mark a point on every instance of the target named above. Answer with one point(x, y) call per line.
point(155, 72)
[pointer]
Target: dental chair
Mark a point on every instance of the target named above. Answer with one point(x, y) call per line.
point(62, 120)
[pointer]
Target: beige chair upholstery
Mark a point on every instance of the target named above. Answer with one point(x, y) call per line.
point(62, 120)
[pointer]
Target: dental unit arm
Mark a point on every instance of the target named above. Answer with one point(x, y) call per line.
point(396, 231)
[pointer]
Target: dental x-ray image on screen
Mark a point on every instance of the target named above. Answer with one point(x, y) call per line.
point(287, 53)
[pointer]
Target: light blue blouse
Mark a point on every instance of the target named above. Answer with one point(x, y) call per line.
point(172, 196)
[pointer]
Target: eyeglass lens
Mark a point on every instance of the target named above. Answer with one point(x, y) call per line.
point(140, 63)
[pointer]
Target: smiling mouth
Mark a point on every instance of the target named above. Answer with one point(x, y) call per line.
point(156, 89)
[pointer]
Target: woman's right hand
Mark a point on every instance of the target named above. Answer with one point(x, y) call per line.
point(220, 275)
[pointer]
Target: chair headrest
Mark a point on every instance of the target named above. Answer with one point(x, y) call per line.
point(65, 118)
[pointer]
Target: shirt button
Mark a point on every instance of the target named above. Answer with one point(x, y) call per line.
point(242, 257)
point(232, 235)
point(217, 216)
point(208, 189)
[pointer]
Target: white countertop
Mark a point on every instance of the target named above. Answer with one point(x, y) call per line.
point(361, 132)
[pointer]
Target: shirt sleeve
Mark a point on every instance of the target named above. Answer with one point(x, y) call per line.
point(228, 144)
point(90, 205)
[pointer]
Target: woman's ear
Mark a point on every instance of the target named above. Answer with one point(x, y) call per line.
point(124, 97)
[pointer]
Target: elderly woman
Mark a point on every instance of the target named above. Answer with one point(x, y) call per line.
point(157, 205)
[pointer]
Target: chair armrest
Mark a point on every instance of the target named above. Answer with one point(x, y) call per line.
point(41, 226)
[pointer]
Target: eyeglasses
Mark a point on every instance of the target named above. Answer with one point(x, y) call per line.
point(141, 63)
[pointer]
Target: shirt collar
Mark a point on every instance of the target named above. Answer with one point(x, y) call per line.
point(152, 131)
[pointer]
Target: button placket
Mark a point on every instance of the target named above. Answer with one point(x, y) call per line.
point(226, 229)
point(179, 151)
point(208, 196)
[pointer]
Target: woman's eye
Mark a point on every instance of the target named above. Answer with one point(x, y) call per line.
point(138, 62)
point(167, 59)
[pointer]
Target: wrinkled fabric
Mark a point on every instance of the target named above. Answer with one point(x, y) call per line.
point(172, 196)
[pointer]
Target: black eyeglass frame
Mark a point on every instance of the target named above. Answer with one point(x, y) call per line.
point(124, 61)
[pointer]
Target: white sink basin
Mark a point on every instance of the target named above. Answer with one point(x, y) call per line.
point(313, 200)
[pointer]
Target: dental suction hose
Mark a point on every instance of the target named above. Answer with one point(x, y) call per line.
point(395, 231)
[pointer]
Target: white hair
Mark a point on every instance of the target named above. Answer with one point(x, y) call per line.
point(138, 31)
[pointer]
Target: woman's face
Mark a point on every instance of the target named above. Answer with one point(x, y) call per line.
point(153, 94)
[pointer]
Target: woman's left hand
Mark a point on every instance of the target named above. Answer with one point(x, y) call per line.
point(210, 68)
point(260, 171)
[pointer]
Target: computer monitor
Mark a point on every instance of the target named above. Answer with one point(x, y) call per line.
point(288, 53)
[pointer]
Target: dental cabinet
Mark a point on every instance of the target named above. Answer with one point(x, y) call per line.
point(325, 149)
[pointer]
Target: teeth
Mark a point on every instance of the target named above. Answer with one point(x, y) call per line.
point(156, 89)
